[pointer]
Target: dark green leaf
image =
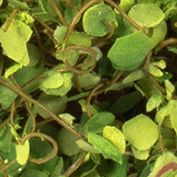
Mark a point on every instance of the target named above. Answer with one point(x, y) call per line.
point(97, 122)
point(66, 140)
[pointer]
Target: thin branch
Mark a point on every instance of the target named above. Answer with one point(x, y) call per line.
point(75, 166)
point(76, 18)
point(36, 103)
point(167, 42)
point(89, 4)
point(89, 112)
point(51, 155)
point(58, 12)
point(9, 20)
point(46, 26)
point(123, 14)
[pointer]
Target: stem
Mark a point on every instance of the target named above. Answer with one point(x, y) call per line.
point(75, 166)
point(76, 18)
point(58, 12)
point(47, 27)
point(148, 60)
point(51, 155)
point(9, 20)
point(161, 142)
point(167, 42)
point(89, 112)
point(123, 14)
point(89, 4)
point(36, 103)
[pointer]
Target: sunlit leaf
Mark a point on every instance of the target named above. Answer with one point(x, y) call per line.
point(22, 152)
point(140, 154)
point(116, 137)
point(11, 70)
point(146, 14)
point(55, 83)
point(17, 36)
point(141, 132)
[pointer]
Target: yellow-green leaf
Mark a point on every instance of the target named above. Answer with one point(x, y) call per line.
point(22, 152)
point(116, 137)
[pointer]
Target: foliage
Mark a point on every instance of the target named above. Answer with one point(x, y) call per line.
point(88, 88)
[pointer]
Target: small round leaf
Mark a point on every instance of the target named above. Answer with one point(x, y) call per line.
point(128, 52)
point(95, 20)
point(146, 14)
point(141, 132)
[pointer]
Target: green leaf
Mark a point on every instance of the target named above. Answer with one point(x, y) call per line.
point(160, 64)
point(58, 170)
point(52, 103)
point(15, 4)
point(34, 54)
point(5, 139)
point(12, 69)
point(97, 122)
point(60, 33)
point(146, 14)
point(67, 142)
point(85, 169)
point(7, 97)
point(133, 76)
point(76, 38)
point(110, 152)
point(140, 154)
point(125, 103)
point(1, 1)
point(68, 118)
point(153, 102)
point(96, 18)
point(172, 49)
point(170, 88)
point(159, 33)
point(70, 56)
point(147, 88)
point(88, 80)
point(53, 80)
point(56, 83)
point(164, 159)
point(138, 45)
point(168, 111)
point(22, 152)
point(81, 39)
point(33, 172)
point(113, 169)
point(116, 137)
point(155, 71)
point(141, 132)
point(126, 4)
point(17, 36)
point(85, 146)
